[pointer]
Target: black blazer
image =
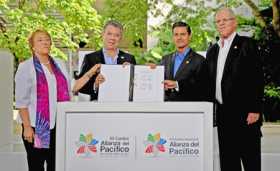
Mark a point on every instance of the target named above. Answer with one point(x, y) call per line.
point(97, 57)
point(187, 76)
point(242, 81)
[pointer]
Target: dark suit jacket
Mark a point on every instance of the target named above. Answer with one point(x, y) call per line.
point(98, 58)
point(242, 81)
point(187, 77)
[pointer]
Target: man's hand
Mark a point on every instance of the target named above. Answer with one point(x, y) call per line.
point(151, 65)
point(125, 64)
point(252, 118)
point(169, 84)
point(99, 80)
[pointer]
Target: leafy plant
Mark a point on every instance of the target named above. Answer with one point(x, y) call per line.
point(133, 15)
point(195, 13)
point(68, 21)
point(272, 91)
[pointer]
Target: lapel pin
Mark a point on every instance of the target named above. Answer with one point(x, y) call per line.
point(235, 47)
point(187, 62)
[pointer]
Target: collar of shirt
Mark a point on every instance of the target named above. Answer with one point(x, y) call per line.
point(181, 56)
point(227, 41)
point(223, 52)
point(109, 59)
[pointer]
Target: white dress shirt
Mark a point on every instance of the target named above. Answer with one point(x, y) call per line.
point(26, 89)
point(223, 53)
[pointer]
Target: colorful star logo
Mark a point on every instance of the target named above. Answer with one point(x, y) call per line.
point(86, 145)
point(154, 144)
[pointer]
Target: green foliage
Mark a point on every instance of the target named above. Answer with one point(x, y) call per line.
point(201, 19)
point(164, 46)
point(231, 3)
point(272, 91)
point(132, 14)
point(73, 21)
point(264, 4)
point(195, 13)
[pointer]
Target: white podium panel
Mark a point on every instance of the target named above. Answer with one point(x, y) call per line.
point(134, 137)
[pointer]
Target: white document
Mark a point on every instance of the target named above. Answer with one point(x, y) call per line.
point(116, 85)
point(148, 84)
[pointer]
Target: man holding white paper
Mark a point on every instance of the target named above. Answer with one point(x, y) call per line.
point(109, 54)
point(182, 68)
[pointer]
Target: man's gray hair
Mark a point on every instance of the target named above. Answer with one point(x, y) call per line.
point(230, 11)
point(113, 23)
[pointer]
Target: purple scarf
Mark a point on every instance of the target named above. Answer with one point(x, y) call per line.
point(42, 128)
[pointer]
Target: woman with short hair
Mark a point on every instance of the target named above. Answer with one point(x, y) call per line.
point(40, 83)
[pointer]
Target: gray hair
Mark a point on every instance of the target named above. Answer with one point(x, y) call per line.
point(113, 23)
point(230, 11)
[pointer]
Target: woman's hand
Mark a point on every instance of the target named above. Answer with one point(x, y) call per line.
point(94, 70)
point(28, 133)
point(85, 78)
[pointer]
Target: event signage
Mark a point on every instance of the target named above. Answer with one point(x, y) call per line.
point(128, 137)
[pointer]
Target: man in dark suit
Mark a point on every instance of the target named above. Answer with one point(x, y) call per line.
point(182, 68)
point(109, 54)
point(235, 81)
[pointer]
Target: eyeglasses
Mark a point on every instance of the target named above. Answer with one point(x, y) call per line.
point(224, 20)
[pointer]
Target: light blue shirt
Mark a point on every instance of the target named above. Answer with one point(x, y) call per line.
point(110, 60)
point(179, 57)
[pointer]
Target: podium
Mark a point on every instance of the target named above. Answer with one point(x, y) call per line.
point(134, 136)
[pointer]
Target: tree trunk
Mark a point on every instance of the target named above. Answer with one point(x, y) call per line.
point(276, 17)
point(256, 13)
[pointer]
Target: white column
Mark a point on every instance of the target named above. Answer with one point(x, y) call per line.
point(6, 96)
